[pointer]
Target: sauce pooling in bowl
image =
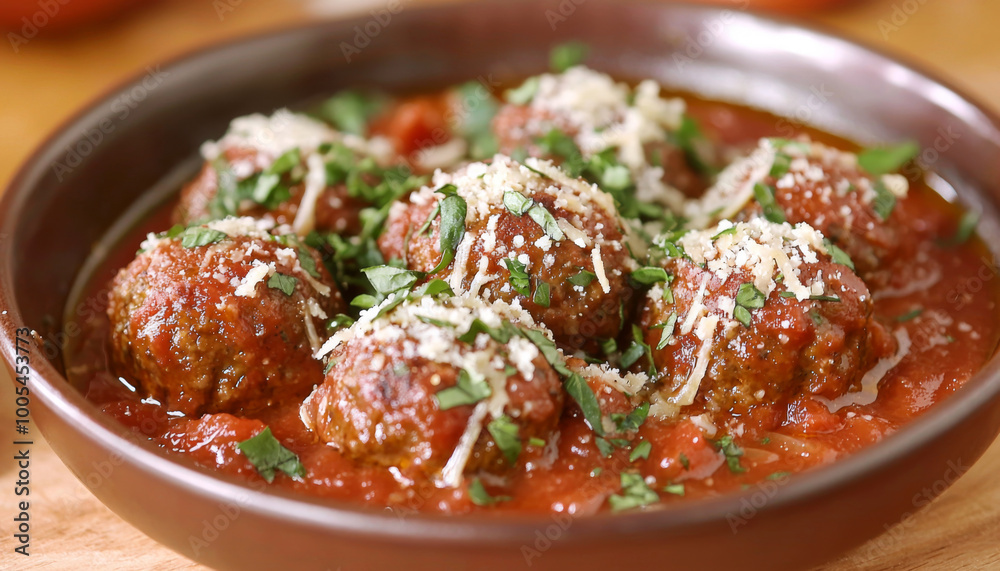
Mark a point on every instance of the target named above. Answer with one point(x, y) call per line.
point(578, 296)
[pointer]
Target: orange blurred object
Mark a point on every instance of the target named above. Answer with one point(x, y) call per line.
point(788, 6)
point(27, 17)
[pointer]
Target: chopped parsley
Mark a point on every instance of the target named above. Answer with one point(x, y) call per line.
point(519, 278)
point(782, 163)
point(584, 396)
point(684, 461)
point(884, 201)
point(283, 282)
point(641, 450)
point(966, 228)
point(284, 163)
point(470, 389)
point(453, 210)
point(778, 475)
point(732, 452)
point(500, 334)
point(765, 197)
point(889, 159)
point(649, 275)
point(748, 298)
point(824, 298)
point(435, 322)
point(479, 495)
point(200, 236)
point(561, 145)
point(505, 434)
point(632, 421)
point(635, 493)
point(727, 232)
point(536, 442)
point(267, 455)
point(349, 111)
point(609, 346)
point(516, 203)
point(565, 56)
point(390, 279)
point(696, 146)
point(476, 126)
point(839, 256)
point(523, 94)
point(541, 296)
point(910, 315)
point(519, 205)
point(675, 489)
point(668, 330)
point(583, 278)
point(544, 218)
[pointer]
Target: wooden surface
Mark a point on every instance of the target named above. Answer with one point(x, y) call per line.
point(51, 76)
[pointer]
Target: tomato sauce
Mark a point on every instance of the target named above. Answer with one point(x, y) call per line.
point(944, 297)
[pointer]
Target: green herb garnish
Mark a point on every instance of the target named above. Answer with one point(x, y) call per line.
point(519, 278)
point(283, 282)
point(635, 493)
point(505, 434)
point(479, 495)
point(565, 56)
point(267, 455)
point(765, 197)
point(879, 161)
point(469, 389)
point(732, 452)
point(200, 236)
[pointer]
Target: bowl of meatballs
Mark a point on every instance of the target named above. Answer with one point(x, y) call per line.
point(493, 293)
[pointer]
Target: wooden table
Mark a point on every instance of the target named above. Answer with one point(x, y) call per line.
point(51, 76)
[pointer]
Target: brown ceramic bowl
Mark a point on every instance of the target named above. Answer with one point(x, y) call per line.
point(82, 180)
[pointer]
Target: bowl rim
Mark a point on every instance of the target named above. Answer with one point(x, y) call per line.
point(343, 517)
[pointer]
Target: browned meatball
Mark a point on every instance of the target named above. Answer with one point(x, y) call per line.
point(392, 395)
point(803, 181)
point(757, 314)
point(292, 170)
point(221, 318)
point(579, 114)
point(563, 238)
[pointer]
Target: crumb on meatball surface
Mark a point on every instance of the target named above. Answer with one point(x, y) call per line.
point(757, 313)
point(534, 236)
point(805, 181)
point(407, 389)
point(221, 318)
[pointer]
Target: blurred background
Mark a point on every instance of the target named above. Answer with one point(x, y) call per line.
point(58, 55)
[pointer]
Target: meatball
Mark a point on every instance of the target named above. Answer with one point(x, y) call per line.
point(265, 167)
point(532, 236)
point(221, 318)
point(755, 314)
point(580, 114)
point(803, 181)
point(410, 390)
